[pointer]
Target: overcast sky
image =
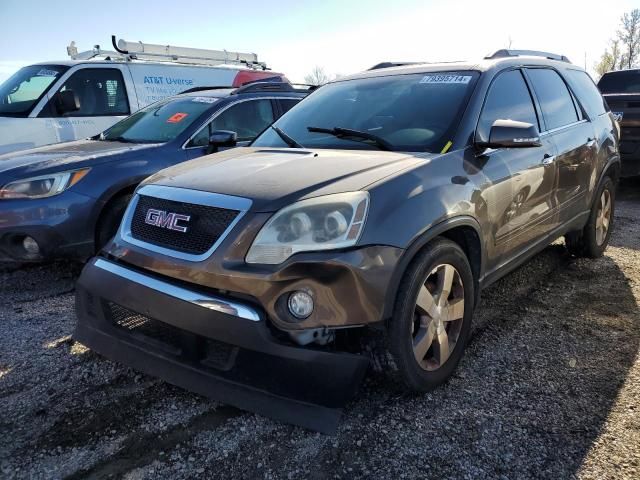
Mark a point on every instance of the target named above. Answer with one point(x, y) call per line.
point(294, 36)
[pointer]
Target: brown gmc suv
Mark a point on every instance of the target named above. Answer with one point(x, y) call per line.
point(378, 207)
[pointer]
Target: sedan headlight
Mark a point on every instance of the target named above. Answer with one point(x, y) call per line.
point(42, 186)
point(322, 223)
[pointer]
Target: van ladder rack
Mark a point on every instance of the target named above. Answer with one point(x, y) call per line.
point(129, 51)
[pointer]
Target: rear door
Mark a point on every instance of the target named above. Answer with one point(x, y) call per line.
point(573, 135)
point(520, 196)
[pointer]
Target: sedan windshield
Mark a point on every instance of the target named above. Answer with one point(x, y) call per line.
point(161, 122)
point(415, 112)
point(20, 92)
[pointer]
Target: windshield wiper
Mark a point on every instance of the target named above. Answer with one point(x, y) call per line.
point(340, 132)
point(118, 139)
point(286, 138)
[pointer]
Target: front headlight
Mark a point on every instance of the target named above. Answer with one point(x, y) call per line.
point(42, 186)
point(322, 223)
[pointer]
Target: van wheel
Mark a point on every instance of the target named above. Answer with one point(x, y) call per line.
point(593, 239)
point(432, 316)
point(110, 220)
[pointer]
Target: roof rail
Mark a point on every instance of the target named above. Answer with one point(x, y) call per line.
point(264, 86)
point(128, 51)
point(392, 64)
point(305, 87)
point(505, 53)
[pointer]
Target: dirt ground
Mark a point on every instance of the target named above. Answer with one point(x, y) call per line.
point(548, 388)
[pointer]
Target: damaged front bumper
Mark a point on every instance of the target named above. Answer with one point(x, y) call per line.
point(212, 345)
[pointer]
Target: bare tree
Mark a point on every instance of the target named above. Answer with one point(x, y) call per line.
point(317, 76)
point(629, 36)
point(611, 59)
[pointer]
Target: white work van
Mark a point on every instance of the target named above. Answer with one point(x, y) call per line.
point(56, 102)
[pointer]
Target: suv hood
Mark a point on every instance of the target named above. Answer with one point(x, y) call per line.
point(273, 178)
point(69, 154)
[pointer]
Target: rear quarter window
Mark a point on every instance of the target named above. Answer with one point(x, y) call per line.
point(588, 94)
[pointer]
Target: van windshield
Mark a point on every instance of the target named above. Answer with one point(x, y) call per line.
point(410, 112)
point(20, 92)
point(160, 122)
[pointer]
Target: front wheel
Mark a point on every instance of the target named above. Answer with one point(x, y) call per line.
point(593, 239)
point(432, 318)
point(110, 220)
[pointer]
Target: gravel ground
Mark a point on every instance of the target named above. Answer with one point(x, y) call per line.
point(548, 388)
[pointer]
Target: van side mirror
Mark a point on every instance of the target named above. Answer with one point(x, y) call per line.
point(222, 139)
point(67, 101)
point(511, 134)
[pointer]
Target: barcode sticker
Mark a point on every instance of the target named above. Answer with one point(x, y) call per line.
point(446, 79)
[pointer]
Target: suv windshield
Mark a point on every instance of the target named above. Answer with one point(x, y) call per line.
point(620, 82)
point(20, 92)
point(415, 112)
point(161, 122)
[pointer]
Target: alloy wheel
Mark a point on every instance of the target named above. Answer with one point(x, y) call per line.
point(603, 217)
point(438, 317)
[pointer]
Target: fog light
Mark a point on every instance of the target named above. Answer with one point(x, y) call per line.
point(300, 304)
point(30, 246)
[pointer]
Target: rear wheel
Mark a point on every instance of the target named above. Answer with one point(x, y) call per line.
point(593, 239)
point(110, 220)
point(432, 319)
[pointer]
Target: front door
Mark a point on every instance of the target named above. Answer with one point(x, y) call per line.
point(519, 194)
point(102, 98)
point(247, 118)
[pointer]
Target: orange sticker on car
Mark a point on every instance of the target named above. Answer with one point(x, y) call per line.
point(177, 117)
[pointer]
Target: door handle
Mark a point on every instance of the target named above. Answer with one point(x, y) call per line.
point(548, 160)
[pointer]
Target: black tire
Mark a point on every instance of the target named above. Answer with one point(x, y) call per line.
point(584, 243)
point(109, 221)
point(400, 330)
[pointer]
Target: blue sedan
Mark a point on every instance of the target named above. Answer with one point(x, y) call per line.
point(67, 200)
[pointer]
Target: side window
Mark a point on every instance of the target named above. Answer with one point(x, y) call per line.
point(101, 92)
point(201, 139)
point(508, 99)
point(247, 119)
point(557, 106)
point(587, 91)
point(287, 104)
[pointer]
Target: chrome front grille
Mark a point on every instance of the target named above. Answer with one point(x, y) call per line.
point(182, 223)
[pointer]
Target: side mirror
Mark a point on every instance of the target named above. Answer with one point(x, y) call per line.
point(221, 139)
point(511, 134)
point(67, 101)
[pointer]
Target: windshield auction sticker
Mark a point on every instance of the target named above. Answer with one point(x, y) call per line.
point(47, 73)
point(177, 117)
point(446, 79)
point(204, 100)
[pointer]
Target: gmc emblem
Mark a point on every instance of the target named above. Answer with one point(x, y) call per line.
point(168, 220)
